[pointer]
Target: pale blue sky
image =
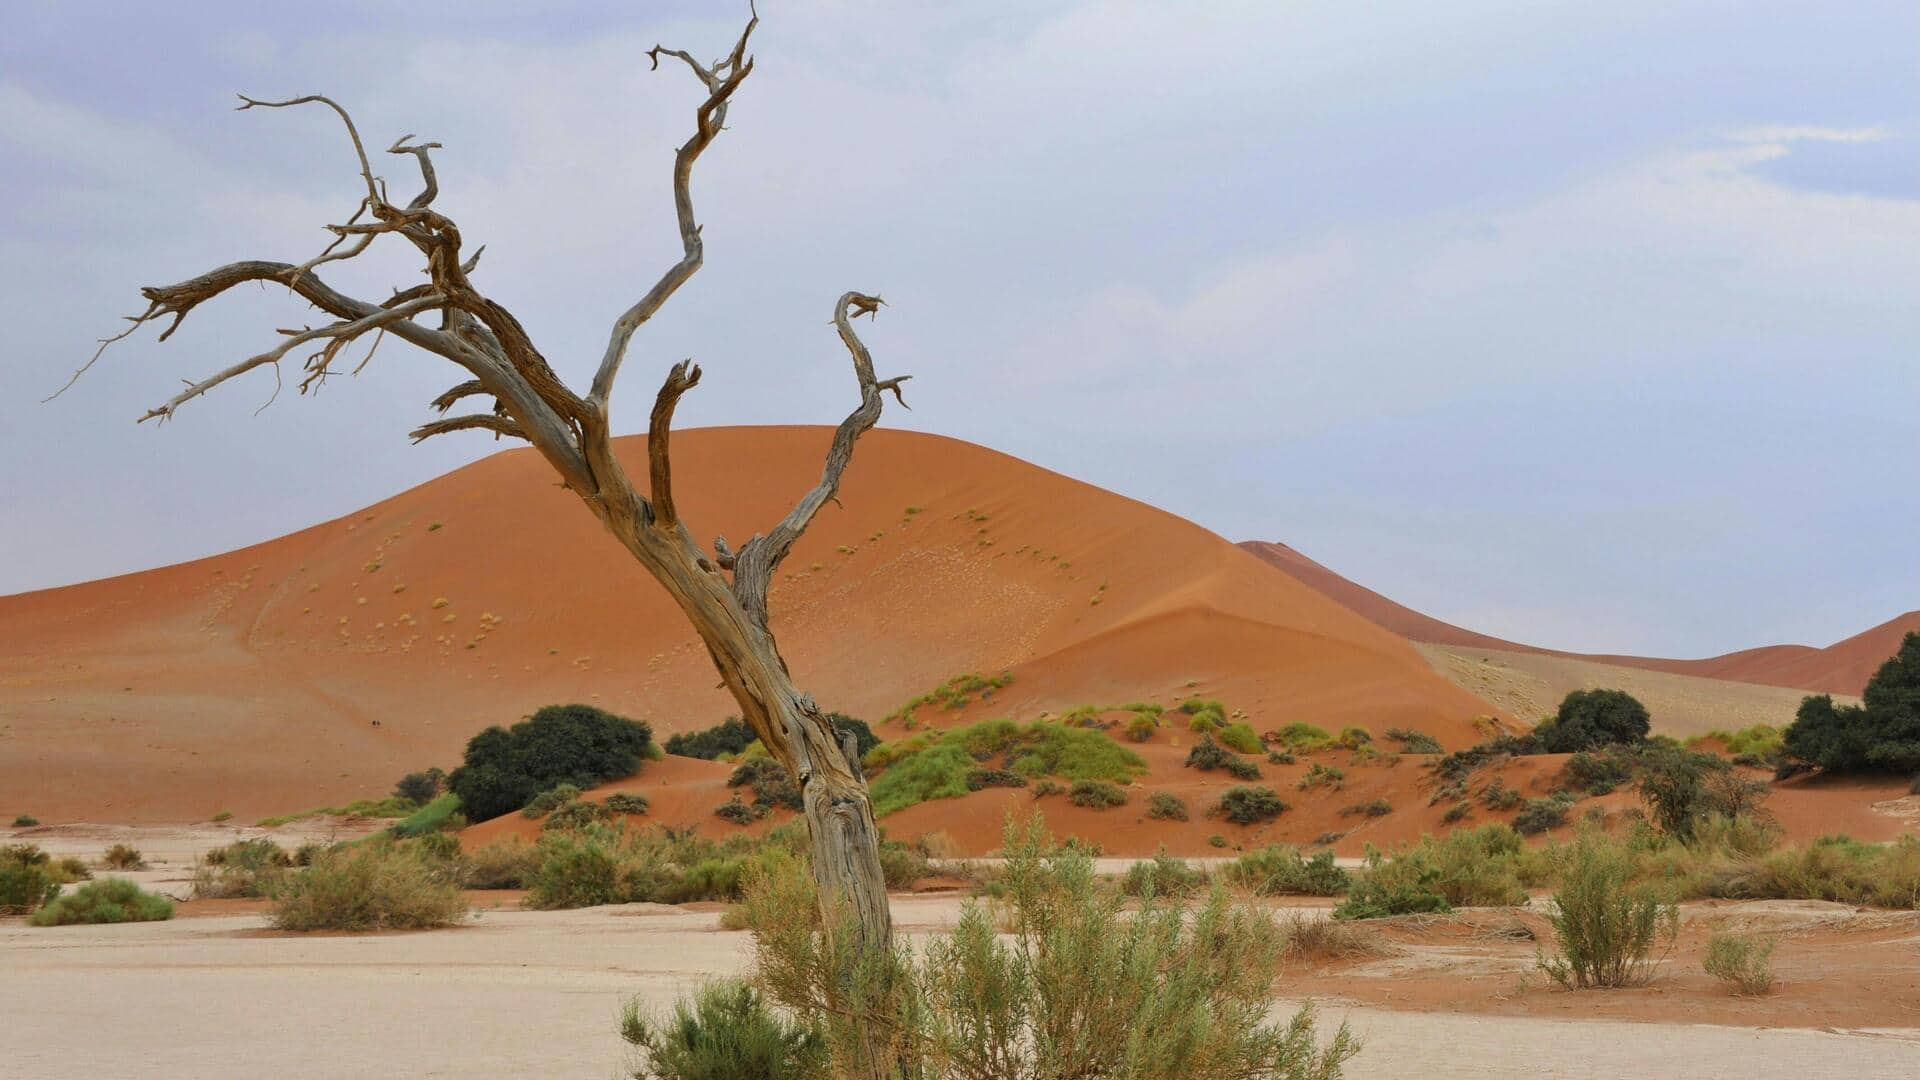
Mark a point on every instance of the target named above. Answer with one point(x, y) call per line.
point(1590, 325)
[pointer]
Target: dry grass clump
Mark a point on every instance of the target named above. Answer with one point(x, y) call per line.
point(1315, 939)
point(507, 863)
point(1744, 962)
point(379, 884)
point(123, 857)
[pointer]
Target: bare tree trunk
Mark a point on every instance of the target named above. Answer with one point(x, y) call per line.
point(574, 434)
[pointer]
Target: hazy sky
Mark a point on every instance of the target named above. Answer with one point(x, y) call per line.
point(1586, 324)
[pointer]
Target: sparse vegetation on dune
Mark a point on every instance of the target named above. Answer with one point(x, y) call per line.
point(936, 765)
point(956, 693)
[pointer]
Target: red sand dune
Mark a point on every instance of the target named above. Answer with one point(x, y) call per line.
point(1841, 668)
point(318, 667)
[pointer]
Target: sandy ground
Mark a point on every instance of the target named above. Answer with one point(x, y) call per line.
point(522, 993)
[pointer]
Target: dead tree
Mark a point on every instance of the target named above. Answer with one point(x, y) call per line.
point(724, 594)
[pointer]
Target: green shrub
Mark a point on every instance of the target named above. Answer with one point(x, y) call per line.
point(1760, 741)
point(244, 868)
point(611, 864)
point(1605, 928)
point(25, 821)
point(376, 885)
point(1373, 897)
point(1082, 989)
point(977, 779)
point(1142, 727)
point(729, 736)
point(420, 788)
point(902, 864)
point(1207, 755)
point(68, 869)
point(114, 900)
point(1353, 738)
point(1216, 840)
point(1246, 805)
point(772, 784)
point(1164, 806)
point(737, 812)
point(442, 813)
point(507, 863)
point(1205, 713)
point(1048, 787)
point(725, 1032)
point(123, 857)
point(1096, 794)
point(1319, 775)
point(1372, 808)
point(577, 814)
point(1241, 736)
point(1479, 867)
point(550, 800)
point(626, 802)
point(24, 885)
point(1742, 961)
point(1414, 742)
point(1539, 815)
point(1881, 734)
point(1457, 812)
point(1588, 719)
point(1300, 736)
point(580, 745)
point(936, 765)
point(1280, 757)
point(1282, 871)
point(1498, 796)
point(1162, 875)
point(1597, 774)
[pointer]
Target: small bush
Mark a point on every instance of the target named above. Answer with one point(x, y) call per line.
point(1588, 719)
point(1414, 742)
point(1164, 806)
point(625, 802)
point(25, 883)
point(550, 800)
point(68, 869)
point(1280, 757)
point(977, 779)
point(420, 787)
point(1480, 867)
point(1742, 961)
point(1353, 738)
point(1241, 736)
point(1282, 871)
point(1373, 897)
point(725, 1032)
point(1300, 736)
point(1319, 775)
point(902, 864)
point(1498, 796)
point(1048, 787)
point(25, 821)
point(729, 736)
point(375, 885)
point(508, 863)
point(737, 812)
point(1539, 815)
point(1216, 840)
point(244, 868)
point(1246, 805)
point(1096, 794)
point(1606, 929)
point(772, 784)
point(1596, 773)
point(1242, 769)
point(561, 744)
point(1207, 755)
point(123, 857)
point(114, 900)
point(1162, 875)
point(1141, 727)
point(1457, 812)
point(1314, 938)
point(577, 814)
point(1374, 808)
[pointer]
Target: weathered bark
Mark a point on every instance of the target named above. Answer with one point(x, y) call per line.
point(530, 402)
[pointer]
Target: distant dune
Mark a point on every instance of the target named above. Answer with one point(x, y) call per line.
point(320, 666)
point(1841, 668)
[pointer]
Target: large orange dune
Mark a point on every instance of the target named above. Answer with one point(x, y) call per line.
point(316, 668)
point(1841, 668)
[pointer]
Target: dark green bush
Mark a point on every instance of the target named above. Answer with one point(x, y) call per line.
point(738, 812)
point(1283, 871)
point(903, 864)
point(623, 802)
point(1319, 775)
point(25, 881)
point(1414, 742)
point(1241, 736)
point(1242, 769)
point(1245, 805)
point(420, 787)
point(114, 900)
point(550, 800)
point(561, 744)
point(772, 785)
point(1597, 773)
point(1588, 719)
point(577, 814)
point(1096, 794)
point(1207, 755)
point(25, 821)
point(986, 778)
point(729, 736)
point(1372, 808)
point(1166, 807)
point(1162, 875)
point(1539, 815)
point(1881, 734)
point(726, 1032)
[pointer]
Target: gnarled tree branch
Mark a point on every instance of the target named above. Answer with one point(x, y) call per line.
point(499, 425)
point(684, 376)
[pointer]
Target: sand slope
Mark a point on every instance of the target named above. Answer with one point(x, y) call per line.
point(1841, 668)
point(319, 666)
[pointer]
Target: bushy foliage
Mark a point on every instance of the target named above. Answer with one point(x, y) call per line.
point(1374, 897)
point(1481, 867)
point(725, 1032)
point(507, 863)
point(1682, 786)
point(1096, 794)
point(1758, 742)
point(626, 802)
point(1370, 808)
point(123, 857)
point(25, 821)
point(1744, 962)
point(577, 814)
point(1353, 738)
point(114, 900)
point(1323, 775)
point(1141, 727)
point(1242, 769)
point(1165, 806)
point(737, 812)
point(420, 787)
point(1162, 875)
point(379, 884)
point(1076, 988)
point(612, 864)
point(903, 864)
point(979, 779)
point(1588, 719)
point(1241, 736)
point(935, 765)
point(772, 784)
point(244, 868)
point(1283, 871)
point(442, 813)
point(956, 693)
point(1598, 773)
point(1881, 734)
point(1414, 742)
point(1606, 929)
point(549, 800)
point(729, 736)
point(1540, 815)
point(561, 744)
point(864, 738)
point(1247, 805)
point(1207, 755)
point(1301, 736)
point(26, 880)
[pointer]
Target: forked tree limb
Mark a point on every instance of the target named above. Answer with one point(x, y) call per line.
point(683, 377)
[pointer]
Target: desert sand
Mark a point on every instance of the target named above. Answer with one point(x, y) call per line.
point(538, 993)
